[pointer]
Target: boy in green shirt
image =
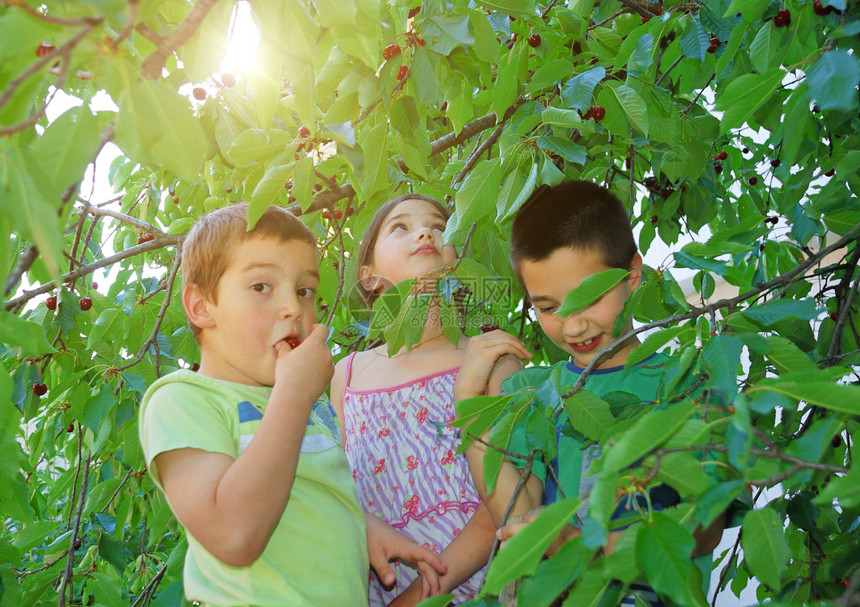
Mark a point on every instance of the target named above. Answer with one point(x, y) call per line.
point(247, 450)
point(561, 236)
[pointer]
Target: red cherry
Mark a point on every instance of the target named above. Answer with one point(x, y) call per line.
point(163, 284)
point(598, 112)
point(654, 219)
point(51, 302)
point(836, 441)
point(534, 40)
point(718, 168)
point(94, 285)
point(195, 367)
point(39, 389)
point(318, 187)
point(775, 162)
point(304, 132)
point(326, 214)
point(338, 213)
point(71, 428)
point(783, 18)
point(44, 49)
point(414, 11)
point(401, 74)
point(391, 50)
point(176, 200)
point(444, 106)
point(292, 342)
point(645, 19)
point(536, 346)
point(86, 303)
point(420, 42)
point(833, 316)
point(145, 238)
point(486, 328)
point(199, 93)
point(228, 80)
point(831, 172)
point(722, 155)
point(349, 211)
point(819, 8)
point(715, 43)
point(753, 180)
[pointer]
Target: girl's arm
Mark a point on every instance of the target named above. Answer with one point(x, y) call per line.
point(338, 383)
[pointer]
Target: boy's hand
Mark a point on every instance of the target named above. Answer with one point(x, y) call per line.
point(482, 355)
point(308, 369)
point(385, 544)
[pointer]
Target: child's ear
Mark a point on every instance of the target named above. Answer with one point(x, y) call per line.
point(635, 277)
point(369, 281)
point(197, 307)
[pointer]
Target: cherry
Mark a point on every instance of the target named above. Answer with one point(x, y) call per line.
point(753, 180)
point(645, 20)
point(536, 347)
point(715, 43)
point(51, 302)
point(722, 155)
point(775, 162)
point(176, 200)
point(833, 316)
point(836, 441)
point(326, 214)
point(304, 132)
point(444, 106)
point(163, 284)
point(588, 113)
point(199, 93)
point(86, 303)
point(486, 328)
point(145, 238)
point(654, 219)
point(745, 150)
point(318, 187)
point(71, 428)
point(783, 18)
point(831, 172)
point(195, 367)
point(514, 38)
point(391, 50)
point(819, 8)
point(534, 40)
point(45, 49)
point(413, 12)
point(39, 389)
point(292, 342)
point(598, 112)
point(718, 168)
point(338, 213)
point(228, 80)
point(94, 285)
point(401, 74)
point(349, 211)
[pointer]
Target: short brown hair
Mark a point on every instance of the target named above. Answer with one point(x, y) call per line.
point(573, 214)
point(371, 234)
point(207, 249)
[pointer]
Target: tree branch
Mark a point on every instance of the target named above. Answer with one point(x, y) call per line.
point(73, 540)
point(152, 65)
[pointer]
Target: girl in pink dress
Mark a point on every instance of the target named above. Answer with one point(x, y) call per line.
point(396, 414)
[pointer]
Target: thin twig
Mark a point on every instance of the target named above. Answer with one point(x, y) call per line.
point(153, 64)
point(73, 540)
point(150, 588)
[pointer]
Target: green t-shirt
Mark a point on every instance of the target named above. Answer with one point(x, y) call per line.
point(317, 554)
point(641, 380)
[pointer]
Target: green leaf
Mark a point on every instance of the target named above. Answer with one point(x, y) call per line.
point(633, 106)
point(777, 310)
point(374, 146)
point(579, 90)
point(549, 75)
point(510, 7)
point(663, 549)
point(654, 343)
point(845, 490)
point(683, 472)
point(590, 290)
point(15, 331)
point(834, 397)
point(833, 81)
point(67, 146)
point(746, 94)
point(751, 10)
point(765, 549)
point(559, 117)
point(477, 197)
point(648, 433)
point(589, 414)
point(506, 85)
point(112, 323)
point(524, 551)
point(765, 46)
point(155, 125)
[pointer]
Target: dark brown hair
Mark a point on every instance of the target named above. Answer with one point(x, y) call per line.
point(371, 235)
point(573, 214)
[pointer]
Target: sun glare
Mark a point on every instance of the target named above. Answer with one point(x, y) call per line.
point(243, 37)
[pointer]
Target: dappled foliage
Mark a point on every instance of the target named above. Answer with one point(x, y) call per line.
point(728, 126)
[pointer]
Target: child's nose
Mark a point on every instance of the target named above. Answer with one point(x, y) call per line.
point(290, 307)
point(575, 325)
point(426, 233)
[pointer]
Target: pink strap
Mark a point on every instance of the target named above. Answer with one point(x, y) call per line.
point(349, 369)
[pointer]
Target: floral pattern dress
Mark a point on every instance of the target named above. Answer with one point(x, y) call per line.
point(403, 454)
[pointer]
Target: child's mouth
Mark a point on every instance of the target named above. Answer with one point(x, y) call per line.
point(586, 346)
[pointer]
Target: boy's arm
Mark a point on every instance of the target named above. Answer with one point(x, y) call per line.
point(232, 506)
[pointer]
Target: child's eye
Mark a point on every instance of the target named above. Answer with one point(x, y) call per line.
point(547, 309)
point(440, 227)
point(307, 292)
point(261, 287)
point(398, 226)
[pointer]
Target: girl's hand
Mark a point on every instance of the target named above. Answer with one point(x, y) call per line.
point(482, 355)
point(385, 544)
